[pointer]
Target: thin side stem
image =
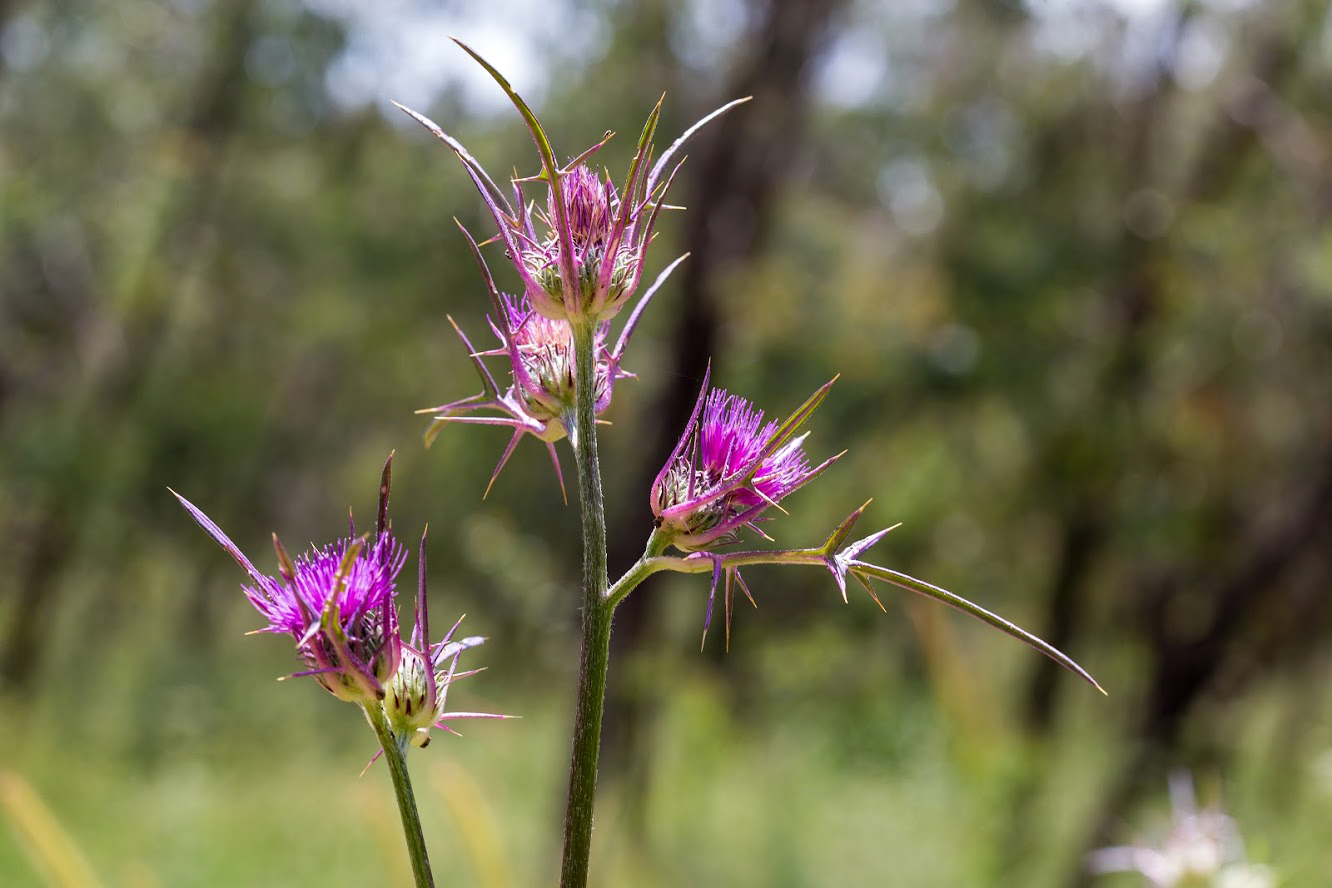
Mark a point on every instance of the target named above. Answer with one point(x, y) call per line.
point(395, 755)
point(653, 561)
point(644, 567)
point(596, 619)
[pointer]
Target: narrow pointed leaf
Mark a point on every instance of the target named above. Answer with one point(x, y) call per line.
point(548, 163)
point(285, 565)
point(508, 451)
point(796, 419)
point(582, 158)
point(842, 530)
point(559, 473)
point(685, 137)
point(385, 484)
point(478, 172)
point(221, 539)
point(632, 323)
point(489, 387)
point(496, 304)
point(912, 584)
point(629, 197)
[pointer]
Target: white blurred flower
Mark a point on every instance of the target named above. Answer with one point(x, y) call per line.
point(1203, 848)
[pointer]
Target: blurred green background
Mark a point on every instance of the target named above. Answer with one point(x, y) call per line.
point(1071, 259)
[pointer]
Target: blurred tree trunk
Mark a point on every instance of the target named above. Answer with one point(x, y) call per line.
point(1087, 518)
point(1253, 581)
point(213, 113)
point(1184, 669)
point(735, 174)
point(1085, 515)
point(7, 10)
point(1086, 502)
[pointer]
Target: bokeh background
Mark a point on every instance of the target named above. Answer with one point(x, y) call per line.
point(1071, 260)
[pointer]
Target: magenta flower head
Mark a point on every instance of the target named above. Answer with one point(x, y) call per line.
point(539, 400)
point(417, 694)
point(336, 602)
point(729, 467)
point(582, 258)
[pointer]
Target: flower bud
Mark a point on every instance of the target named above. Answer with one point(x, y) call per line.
point(587, 207)
point(409, 702)
point(544, 370)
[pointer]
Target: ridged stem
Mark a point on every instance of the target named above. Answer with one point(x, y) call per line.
point(395, 755)
point(595, 659)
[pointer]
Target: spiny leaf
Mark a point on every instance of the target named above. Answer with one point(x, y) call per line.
point(548, 163)
point(796, 419)
point(685, 137)
point(912, 584)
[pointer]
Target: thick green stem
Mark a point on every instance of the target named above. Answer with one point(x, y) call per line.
point(596, 619)
point(395, 755)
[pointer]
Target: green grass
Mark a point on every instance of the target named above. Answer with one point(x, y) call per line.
point(793, 771)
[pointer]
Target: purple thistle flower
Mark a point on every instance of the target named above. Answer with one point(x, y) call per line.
point(540, 354)
point(587, 259)
point(337, 602)
point(418, 693)
point(729, 467)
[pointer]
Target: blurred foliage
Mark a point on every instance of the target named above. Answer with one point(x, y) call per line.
point(1071, 259)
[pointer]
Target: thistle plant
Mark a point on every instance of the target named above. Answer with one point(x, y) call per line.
point(579, 255)
point(338, 603)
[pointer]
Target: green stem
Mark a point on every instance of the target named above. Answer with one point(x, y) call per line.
point(596, 618)
point(395, 755)
point(647, 564)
